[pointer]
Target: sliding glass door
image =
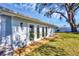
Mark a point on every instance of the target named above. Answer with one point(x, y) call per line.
point(42, 31)
point(31, 32)
point(38, 32)
point(46, 31)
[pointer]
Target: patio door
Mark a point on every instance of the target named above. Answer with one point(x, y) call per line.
point(38, 32)
point(31, 32)
point(42, 31)
point(46, 31)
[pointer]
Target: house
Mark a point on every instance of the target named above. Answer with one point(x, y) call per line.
point(17, 30)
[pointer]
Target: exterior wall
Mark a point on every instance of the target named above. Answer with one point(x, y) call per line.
point(5, 30)
point(8, 30)
point(35, 32)
point(2, 40)
point(6, 34)
point(0, 30)
point(45, 31)
point(40, 31)
point(50, 31)
point(27, 34)
point(15, 31)
point(19, 32)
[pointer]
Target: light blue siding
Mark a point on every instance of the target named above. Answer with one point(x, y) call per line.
point(5, 30)
point(8, 25)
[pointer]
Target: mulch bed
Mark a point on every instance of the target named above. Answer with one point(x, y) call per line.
point(26, 49)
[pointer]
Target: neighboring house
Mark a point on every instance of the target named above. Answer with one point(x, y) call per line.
point(17, 30)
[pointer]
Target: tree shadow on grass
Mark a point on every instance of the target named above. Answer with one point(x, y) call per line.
point(75, 32)
point(53, 40)
point(70, 32)
point(47, 50)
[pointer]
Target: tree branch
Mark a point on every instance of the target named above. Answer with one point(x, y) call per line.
point(76, 8)
point(66, 6)
point(72, 4)
point(60, 14)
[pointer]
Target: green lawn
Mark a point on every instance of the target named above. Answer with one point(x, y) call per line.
point(66, 44)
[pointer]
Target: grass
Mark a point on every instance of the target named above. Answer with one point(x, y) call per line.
point(66, 44)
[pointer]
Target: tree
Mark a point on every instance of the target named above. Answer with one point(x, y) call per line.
point(66, 10)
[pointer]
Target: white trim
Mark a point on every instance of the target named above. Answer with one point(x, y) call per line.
point(35, 32)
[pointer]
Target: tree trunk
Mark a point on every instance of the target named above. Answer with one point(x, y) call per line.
point(71, 21)
point(73, 27)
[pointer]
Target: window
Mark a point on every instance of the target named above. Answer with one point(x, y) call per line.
point(38, 32)
point(46, 31)
point(31, 32)
point(43, 31)
point(21, 25)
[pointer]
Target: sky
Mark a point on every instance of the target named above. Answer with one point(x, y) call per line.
point(29, 11)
